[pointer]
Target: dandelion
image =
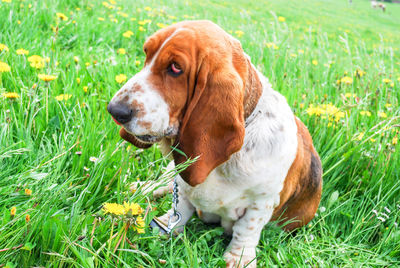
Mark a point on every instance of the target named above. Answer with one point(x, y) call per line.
point(141, 29)
point(10, 95)
point(395, 140)
point(281, 19)
point(101, 19)
point(36, 61)
point(4, 67)
point(382, 114)
point(123, 14)
point(140, 224)
point(127, 34)
point(3, 48)
point(273, 45)
point(315, 62)
point(386, 80)
point(63, 97)
point(76, 59)
point(388, 105)
point(93, 159)
point(301, 51)
point(293, 55)
point(85, 89)
point(349, 95)
point(147, 8)
point(47, 77)
point(28, 192)
point(346, 80)
point(113, 208)
point(120, 78)
point(239, 33)
point(326, 111)
point(27, 218)
point(78, 80)
point(6, 1)
point(360, 136)
point(121, 51)
point(13, 211)
point(132, 209)
point(161, 25)
point(359, 73)
point(366, 113)
point(22, 51)
point(137, 62)
point(61, 16)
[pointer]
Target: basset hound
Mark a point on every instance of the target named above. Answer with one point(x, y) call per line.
point(199, 92)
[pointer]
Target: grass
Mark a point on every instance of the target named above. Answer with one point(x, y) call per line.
point(46, 144)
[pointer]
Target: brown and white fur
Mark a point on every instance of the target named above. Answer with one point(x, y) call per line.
point(257, 161)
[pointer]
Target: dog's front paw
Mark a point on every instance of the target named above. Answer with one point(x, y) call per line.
point(241, 258)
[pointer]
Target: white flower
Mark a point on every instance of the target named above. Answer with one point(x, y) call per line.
point(93, 159)
point(375, 212)
point(86, 169)
point(388, 210)
point(381, 219)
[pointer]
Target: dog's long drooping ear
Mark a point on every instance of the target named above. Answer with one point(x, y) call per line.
point(213, 125)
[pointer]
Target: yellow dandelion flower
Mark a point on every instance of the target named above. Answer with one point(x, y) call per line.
point(78, 80)
point(293, 55)
point(301, 51)
point(372, 140)
point(315, 62)
point(113, 208)
point(346, 80)
point(141, 29)
point(239, 33)
point(6, 1)
point(391, 84)
point(137, 62)
point(85, 89)
point(382, 114)
point(140, 224)
point(76, 59)
point(161, 25)
point(101, 19)
point(22, 51)
point(4, 67)
point(10, 95)
point(36, 61)
point(147, 8)
point(120, 78)
point(127, 34)
point(360, 136)
point(349, 95)
point(27, 218)
point(28, 191)
point(398, 79)
point(61, 16)
point(13, 211)
point(18, 21)
point(273, 45)
point(47, 77)
point(395, 140)
point(359, 73)
point(63, 97)
point(122, 14)
point(281, 19)
point(386, 80)
point(132, 208)
point(366, 113)
point(387, 105)
point(121, 51)
point(3, 48)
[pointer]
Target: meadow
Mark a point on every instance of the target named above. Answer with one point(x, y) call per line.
point(61, 158)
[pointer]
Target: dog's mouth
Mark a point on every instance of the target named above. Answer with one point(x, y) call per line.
point(148, 138)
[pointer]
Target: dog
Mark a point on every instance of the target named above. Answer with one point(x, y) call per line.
point(199, 92)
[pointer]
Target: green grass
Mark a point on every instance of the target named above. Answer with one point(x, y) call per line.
point(40, 136)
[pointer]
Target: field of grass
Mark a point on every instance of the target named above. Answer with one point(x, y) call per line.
point(61, 157)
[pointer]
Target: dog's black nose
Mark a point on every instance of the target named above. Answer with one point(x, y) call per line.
point(121, 113)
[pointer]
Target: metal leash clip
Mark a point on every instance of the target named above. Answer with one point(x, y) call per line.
point(174, 219)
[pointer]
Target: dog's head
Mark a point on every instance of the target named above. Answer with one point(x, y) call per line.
point(192, 89)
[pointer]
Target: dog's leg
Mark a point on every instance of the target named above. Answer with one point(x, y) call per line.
point(246, 234)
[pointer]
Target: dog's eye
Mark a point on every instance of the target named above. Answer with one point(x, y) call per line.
point(174, 69)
